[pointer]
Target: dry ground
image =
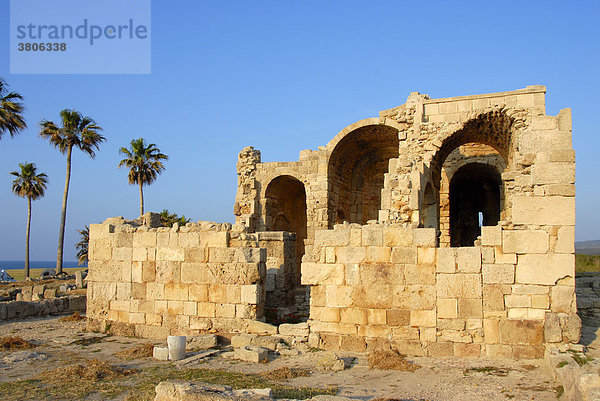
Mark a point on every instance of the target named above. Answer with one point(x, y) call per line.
point(71, 364)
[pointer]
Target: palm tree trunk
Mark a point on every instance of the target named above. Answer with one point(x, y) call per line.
point(63, 215)
point(27, 238)
point(141, 199)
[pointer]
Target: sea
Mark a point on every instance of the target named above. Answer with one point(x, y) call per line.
point(33, 264)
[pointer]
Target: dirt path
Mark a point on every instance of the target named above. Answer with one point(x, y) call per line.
point(65, 343)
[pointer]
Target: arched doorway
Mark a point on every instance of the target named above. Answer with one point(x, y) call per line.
point(356, 171)
point(286, 211)
point(475, 200)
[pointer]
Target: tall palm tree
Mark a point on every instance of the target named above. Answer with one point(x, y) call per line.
point(31, 185)
point(144, 163)
point(11, 119)
point(83, 245)
point(79, 132)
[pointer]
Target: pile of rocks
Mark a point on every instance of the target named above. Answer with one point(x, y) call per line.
point(577, 372)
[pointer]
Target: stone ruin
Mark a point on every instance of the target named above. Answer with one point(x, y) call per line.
point(442, 227)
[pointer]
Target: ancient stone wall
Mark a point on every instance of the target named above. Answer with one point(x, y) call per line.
point(383, 283)
point(154, 282)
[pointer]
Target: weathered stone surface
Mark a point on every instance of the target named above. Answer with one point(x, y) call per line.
point(330, 361)
point(524, 241)
point(251, 353)
point(195, 391)
point(555, 210)
point(296, 330)
point(204, 341)
point(521, 332)
point(544, 269)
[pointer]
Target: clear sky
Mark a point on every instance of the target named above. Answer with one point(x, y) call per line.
point(285, 76)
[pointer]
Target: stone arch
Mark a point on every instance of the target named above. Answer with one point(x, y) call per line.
point(358, 160)
point(475, 192)
point(285, 210)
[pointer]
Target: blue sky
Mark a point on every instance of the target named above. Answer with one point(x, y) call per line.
point(285, 76)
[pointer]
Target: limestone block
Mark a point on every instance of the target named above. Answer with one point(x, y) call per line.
point(398, 317)
point(160, 353)
point(242, 340)
point(148, 271)
point(100, 231)
point(398, 236)
point(447, 308)
point(426, 255)
point(204, 341)
point(493, 297)
point(295, 330)
point(571, 327)
point(524, 241)
point(190, 308)
point(214, 239)
point(353, 316)
point(440, 349)
point(377, 316)
point(139, 254)
point(339, 296)
point(337, 237)
point(250, 294)
point(196, 254)
point(325, 314)
point(467, 350)
point(251, 353)
point(122, 254)
point(137, 318)
point(544, 269)
point(330, 361)
point(562, 299)
point(201, 323)
point(498, 274)
point(257, 327)
point(425, 237)
point(540, 301)
point(468, 259)
point(498, 351)
point(522, 332)
point(329, 254)
point(414, 297)
point(491, 331)
point(446, 260)
point(419, 274)
point(427, 334)
point(170, 254)
point(176, 292)
point(136, 272)
point(517, 301)
point(566, 240)
point(554, 210)
point(504, 258)
point(321, 273)
point(559, 190)
point(552, 330)
point(518, 313)
point(372, 236)
point(535, 141)
point(153, 319)
point(422, 318)
point(155, 291)
point(404, 255)
point(470, 308)
point(122, 240)
point(553, 173)
point(491, 235)
point(175, 307)
point(378, 254)
point(351, 254)
point(206, 309)
point(225, 310)
point(458, 285)
point(352, 273)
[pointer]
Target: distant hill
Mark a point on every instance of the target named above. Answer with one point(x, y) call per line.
point(588, 247)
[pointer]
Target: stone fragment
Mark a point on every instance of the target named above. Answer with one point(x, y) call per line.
point(161, 353)
point(296, 330)
point(204, 341)
point(251, 353)
point(330, 361)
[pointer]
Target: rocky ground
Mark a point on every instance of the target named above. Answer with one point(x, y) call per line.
point(61, 366)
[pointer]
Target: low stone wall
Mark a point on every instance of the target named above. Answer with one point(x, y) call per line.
point(383, 283)
point(54, 306)
point(154, 282)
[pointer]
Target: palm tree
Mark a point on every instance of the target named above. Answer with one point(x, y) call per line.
point(79, 132)
point(168, 219)
point(31, 185)
point(144, 163)
point(11, 120)
point(82, 245)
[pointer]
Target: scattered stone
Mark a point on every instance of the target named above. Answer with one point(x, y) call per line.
point(161, 353)
point(198, 357)
point(242, 340)
point(204, 341)
point(330, 361)
point(252, 353)
point(295, 330)
point(24, 356)
point(194, 391)
point(257, 327)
